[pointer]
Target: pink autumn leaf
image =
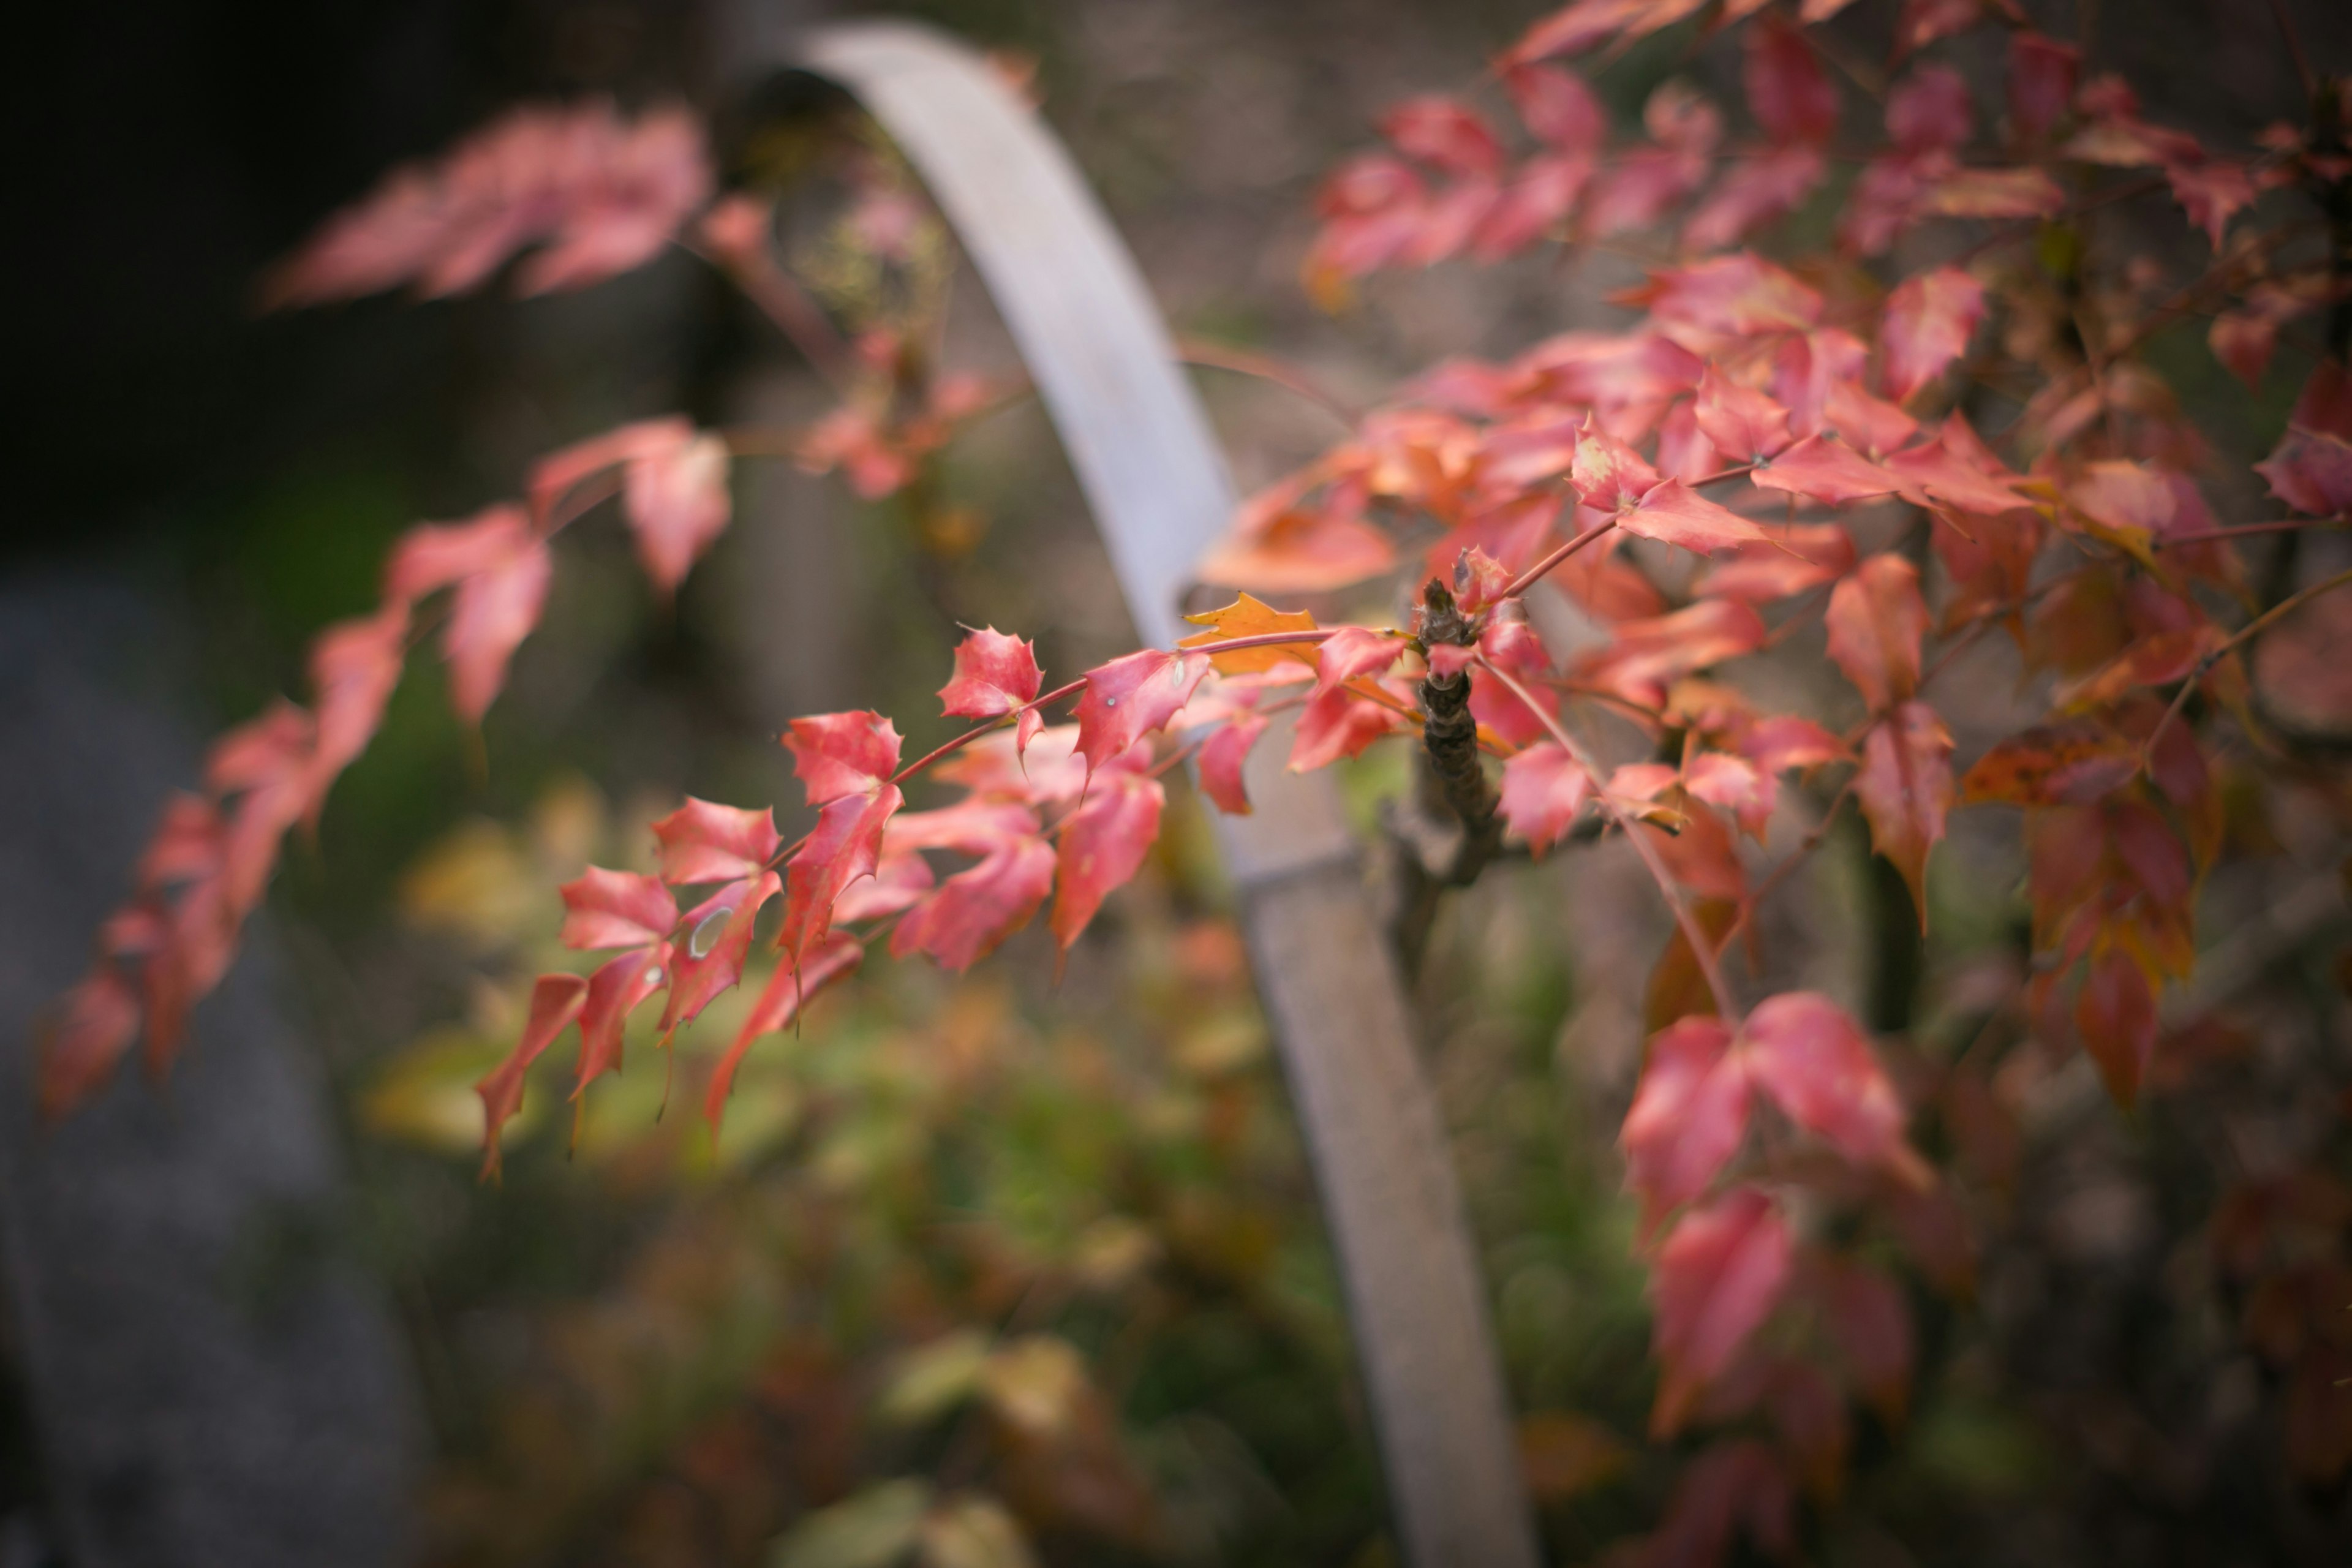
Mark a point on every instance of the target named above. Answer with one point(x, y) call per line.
point(1826, 471)
point(844, 847)
point(618, 988)
point(979, 907)
point(1791, 560)
point(1223, 758)
point(1102, 845)
point(1688, 1115)
point(1905, 786)
point(1353, 652)
point(703, 842)
point(1132, 697)
point(1338, 723)
point(555, 1002)
point(355, 666)
point(676, 499)
point(1877, 619)
point(1754, 189)
point(994, 673)
point(1791, 97)
point(838, 754)
point(1736, 784)
point(2042, 73)
point(616, 908)
point(1927, 323)
point(1813, 1059)
point(1719, 1276)
point(1743, 424)
point(1543, 789)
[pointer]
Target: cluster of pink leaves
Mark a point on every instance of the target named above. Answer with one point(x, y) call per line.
point(486, 579)
point(601, 195)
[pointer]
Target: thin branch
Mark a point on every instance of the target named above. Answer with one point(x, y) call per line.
point(1529, 578)
point(2294, 49)
point(1702, 950)
point(2251, 628)
point(2284, 525)
point(1264, 367)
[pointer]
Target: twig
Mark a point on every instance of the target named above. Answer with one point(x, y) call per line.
point(1529, 578)
point(1264, 367)
point(2188, 684)
point(1702, 952)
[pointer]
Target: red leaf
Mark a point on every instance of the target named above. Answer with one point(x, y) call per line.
point(1927, 323)
point(555, 1001)
point(1557, 107)
point(617, 988)
point(1905, 786)
point(2311, 472)
point(1789, 94)
point(843, 847)
point(1338, 723)
point(1444, 134)
point(1943, 470)
point(607, 192)
point(1132, 697)
point(354, 665)
point(1753, 191)
point(1790, 561)
point(1804, 1051)
point(707, 958)
point(702, 842)
point(1828, 471)
point(616, 908)
point(1786, 741)
point(1221, 759)
point(1740, 296)
point(1930, 110)
point(1732, 1486)
point(1877, 619)
point(1736, 784)
point(1675, 515)
point(675, 497)
point(1356, 651)
point(1743, 425)
point(2073, 763)
point(840, 755)
point(1102, 845)
point(433, 556)
point(1688, 1115)
point(899, 881)
point(1645, 657)
point(979, 906)
point(2117, 1013)
point(788, 991)
point(2211, 193)
point(496, 609)
point(2042, 73)
point(1543, 789)
point(1576, 28)
point(994, 673)
point(1718, 1277)
point(95, 1024)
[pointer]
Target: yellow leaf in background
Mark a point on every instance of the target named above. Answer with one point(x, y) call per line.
point(475, 885)
point(426, 1096)
point(1035, 1385)
point(1246, 618)
point(974, 1530)
point(932, 1379)
point(1565, 1456)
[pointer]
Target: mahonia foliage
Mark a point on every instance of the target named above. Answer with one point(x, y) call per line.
point(1796, 426)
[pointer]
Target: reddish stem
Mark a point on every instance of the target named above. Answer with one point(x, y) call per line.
point(1529, 578)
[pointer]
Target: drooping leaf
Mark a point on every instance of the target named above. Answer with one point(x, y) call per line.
point(1736, 784)
point(80, 1046)
point(676, 499)
point(704, 842)
point(495, 610)
point(1905, 786)
point(355, 666)
point(787, 992)
point(2042, 73)
point(1876, 620)
point(618, 987)
point(1223, 756)
point(1557, 107)
point(1688, 1115)
point(555, 1002)
point(706, 957)
point(843, 848)
point(1716, 1278)
point(1788, 93)
point(979, 907)
point(1102, 845)
point(2116, 1014)
point(1804, 1051)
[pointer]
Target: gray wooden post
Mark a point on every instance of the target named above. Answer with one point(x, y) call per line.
point(1079, 309)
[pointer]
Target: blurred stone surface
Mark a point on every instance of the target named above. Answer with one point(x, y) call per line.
point(211, 1381)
